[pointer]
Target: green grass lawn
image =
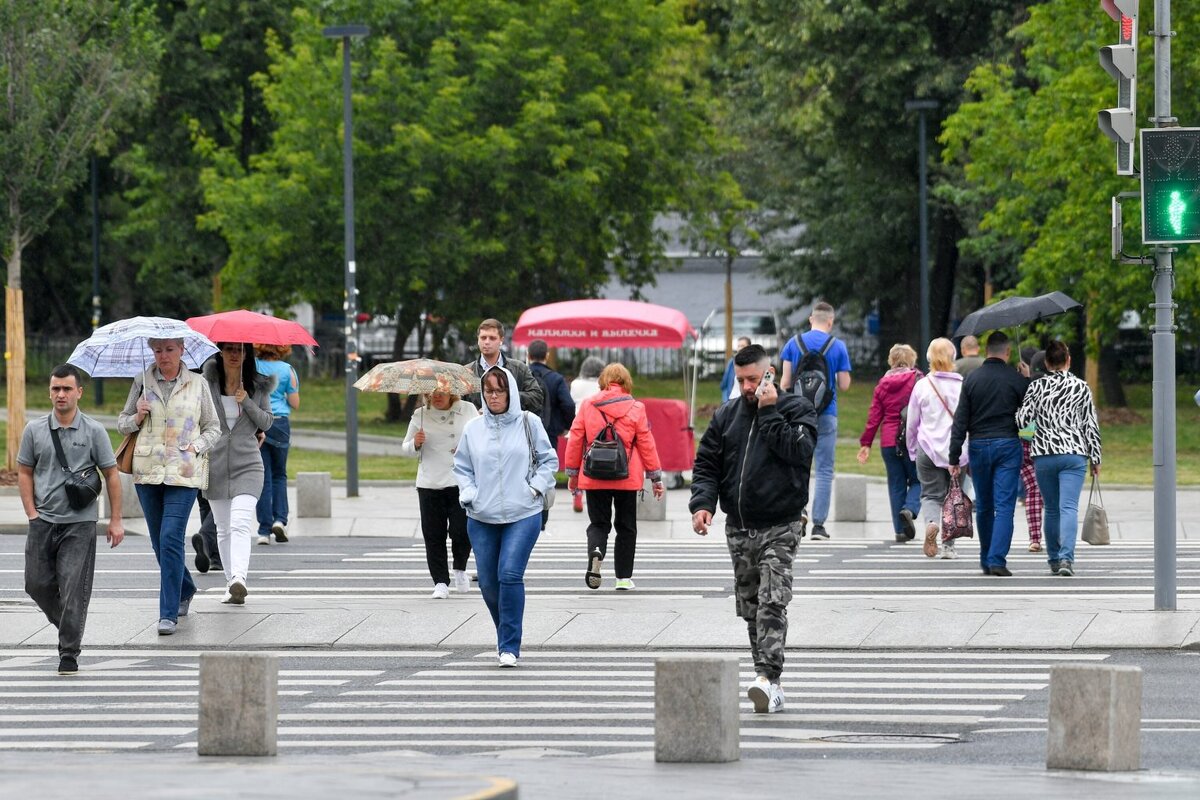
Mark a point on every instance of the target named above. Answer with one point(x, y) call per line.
point(1127, 433)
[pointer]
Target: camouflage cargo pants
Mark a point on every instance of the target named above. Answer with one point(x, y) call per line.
point(762, 572)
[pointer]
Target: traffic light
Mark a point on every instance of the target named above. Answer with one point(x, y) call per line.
point(1170, 185)
point(1120, 61)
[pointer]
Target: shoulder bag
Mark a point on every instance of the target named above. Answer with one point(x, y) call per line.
point(1095, 519)
point(82, 487)
point(956, 513)
point(547, 496)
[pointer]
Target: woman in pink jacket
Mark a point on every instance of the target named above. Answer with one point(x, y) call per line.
point(614, 404)
point(888, 404)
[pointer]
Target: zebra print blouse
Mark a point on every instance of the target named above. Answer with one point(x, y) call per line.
point(1060, 405)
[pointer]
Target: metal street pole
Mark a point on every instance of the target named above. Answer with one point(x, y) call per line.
point(921, 106)
point(350, 304)
point(96, 264)
point(1164, 348)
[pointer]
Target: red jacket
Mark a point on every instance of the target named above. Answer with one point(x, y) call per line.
point(632, 428)
point(891, 395)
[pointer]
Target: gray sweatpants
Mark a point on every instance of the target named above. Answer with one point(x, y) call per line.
point(935, 483)
point(60, 560)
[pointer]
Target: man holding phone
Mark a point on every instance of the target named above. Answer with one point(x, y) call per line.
point(755, 459)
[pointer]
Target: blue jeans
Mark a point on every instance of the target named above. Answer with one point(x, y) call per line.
point(167, 509)
point(996, 472)
point(1060, 477)
point(904, 489)
point(501, 555)
point(273, 502)
point(827, 428)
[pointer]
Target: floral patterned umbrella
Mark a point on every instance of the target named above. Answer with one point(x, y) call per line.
point(419, 376)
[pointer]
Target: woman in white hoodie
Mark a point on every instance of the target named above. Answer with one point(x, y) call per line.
point(433, 436)
point(505, 467)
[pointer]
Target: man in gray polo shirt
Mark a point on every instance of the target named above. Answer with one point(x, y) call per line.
point(60, 551)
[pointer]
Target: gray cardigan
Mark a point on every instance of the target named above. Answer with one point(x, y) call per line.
point(235, 465)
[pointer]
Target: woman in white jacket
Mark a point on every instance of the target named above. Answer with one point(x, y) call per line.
point(433, 436)
point(505, 466)
point(931, 408)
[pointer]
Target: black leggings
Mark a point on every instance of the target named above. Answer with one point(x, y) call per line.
point(601, 504)
point(441, 514)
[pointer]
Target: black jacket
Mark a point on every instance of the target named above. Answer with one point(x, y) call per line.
point(987, 406)
point(558, 399)
point(756, 461)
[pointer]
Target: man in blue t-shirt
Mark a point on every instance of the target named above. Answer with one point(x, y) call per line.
point(838, 360)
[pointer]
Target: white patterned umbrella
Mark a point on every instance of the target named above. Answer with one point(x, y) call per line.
point(120, 349)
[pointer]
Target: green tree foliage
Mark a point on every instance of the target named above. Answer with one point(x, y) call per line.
point(1040, 174)
point(825, 85)
point(504, 152)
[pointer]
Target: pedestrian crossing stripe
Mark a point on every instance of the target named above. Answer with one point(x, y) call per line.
point(594, 703)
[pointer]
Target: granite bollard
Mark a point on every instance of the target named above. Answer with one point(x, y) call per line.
point(239, 704)
point(131, 508)
point(314, 494)
point(850, 498)
point(1095, 718)
point(696, 709)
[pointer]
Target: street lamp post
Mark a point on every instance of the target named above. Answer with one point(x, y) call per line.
point(350, 305)
point(921, 107)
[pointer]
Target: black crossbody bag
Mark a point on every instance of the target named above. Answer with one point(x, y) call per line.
point(82, 487)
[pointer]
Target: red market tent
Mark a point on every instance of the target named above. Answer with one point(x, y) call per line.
point(603, 323)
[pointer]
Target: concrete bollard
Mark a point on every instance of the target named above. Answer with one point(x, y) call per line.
point(314, 494)
point(239, 704)
point(850, 498)
point(1095, 718)
point(696, 709)
point(650, 508)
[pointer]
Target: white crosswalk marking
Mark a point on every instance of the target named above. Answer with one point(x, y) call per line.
point(592, 703)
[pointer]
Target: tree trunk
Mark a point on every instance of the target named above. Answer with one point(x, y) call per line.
point(1110, 377)
point(14, 324)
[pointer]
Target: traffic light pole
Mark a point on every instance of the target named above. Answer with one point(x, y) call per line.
point(1164, 348)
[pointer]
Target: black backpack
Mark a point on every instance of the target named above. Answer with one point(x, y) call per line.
point(812, 375)
point(605, 458)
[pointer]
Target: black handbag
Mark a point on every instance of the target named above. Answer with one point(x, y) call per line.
point(82, 487)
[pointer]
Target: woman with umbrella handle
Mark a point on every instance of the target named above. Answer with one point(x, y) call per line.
point(172, 411)
point(235, 478)
point(432, 438)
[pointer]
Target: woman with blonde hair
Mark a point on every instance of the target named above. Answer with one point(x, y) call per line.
point(432, 437)
point(613, 409)
point(272, 509)
point(930, 416)
point(888, 407)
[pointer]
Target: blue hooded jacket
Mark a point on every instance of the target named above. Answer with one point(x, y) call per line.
point(496, 483)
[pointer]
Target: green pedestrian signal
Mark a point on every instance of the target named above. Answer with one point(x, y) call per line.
point(1170, 159)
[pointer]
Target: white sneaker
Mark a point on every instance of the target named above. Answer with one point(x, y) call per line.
point(624, 584)
point(440, 591)
point(776, 703)
point(461, 582)
point(264, 540)
point(759, 692)
point(508, 660)
point(948, 550)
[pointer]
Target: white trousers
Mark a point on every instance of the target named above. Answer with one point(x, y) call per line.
point(236, 521)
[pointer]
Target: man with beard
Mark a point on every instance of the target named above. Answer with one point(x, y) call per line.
point(755, 459)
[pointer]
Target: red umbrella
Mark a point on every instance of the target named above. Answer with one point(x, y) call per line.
point(251, 327)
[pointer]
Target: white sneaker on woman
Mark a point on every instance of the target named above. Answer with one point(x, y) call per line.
point(461, 582)
point(508, 660)
point(948, 550)
point(440, 591)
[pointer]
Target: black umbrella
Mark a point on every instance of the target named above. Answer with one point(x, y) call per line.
point(1013, 311)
